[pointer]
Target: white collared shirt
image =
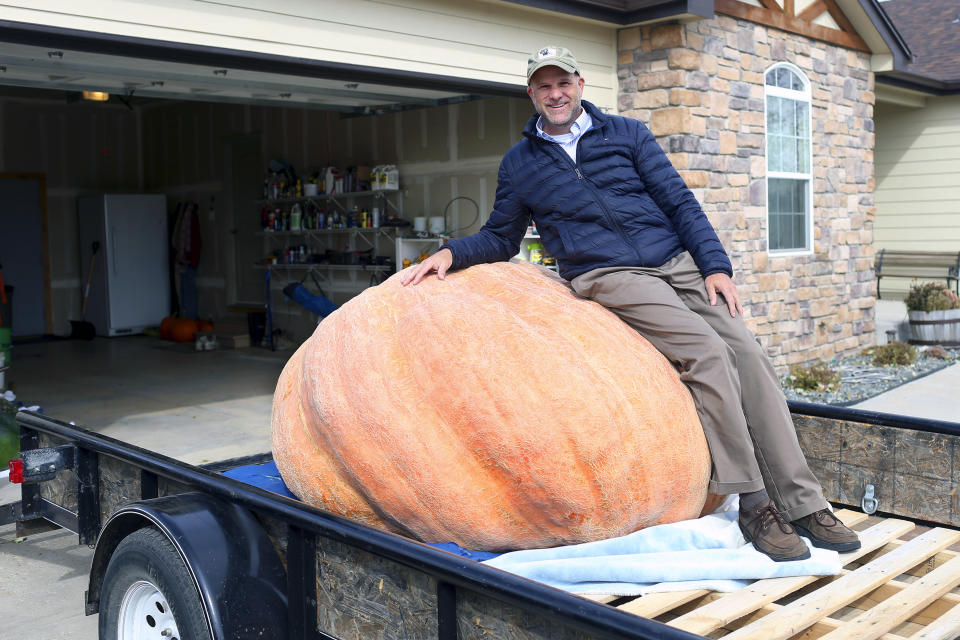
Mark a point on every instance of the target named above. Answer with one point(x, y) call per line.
point(568, 140)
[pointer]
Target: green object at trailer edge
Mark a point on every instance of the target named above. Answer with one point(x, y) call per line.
point(9, 433)
point(5, 343)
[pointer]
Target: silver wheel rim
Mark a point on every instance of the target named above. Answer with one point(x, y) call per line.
point(145, 614)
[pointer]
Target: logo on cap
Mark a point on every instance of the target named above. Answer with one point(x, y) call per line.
point(547, 52)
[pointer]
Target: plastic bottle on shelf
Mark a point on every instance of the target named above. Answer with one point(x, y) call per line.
point(296, 217)
point(330, 179)
point(375, 218)
point(536, 252)
point(390, 177)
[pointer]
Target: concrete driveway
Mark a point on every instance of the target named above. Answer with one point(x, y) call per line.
point(194, 406)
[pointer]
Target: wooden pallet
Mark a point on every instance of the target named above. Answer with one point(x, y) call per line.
point(891, 588)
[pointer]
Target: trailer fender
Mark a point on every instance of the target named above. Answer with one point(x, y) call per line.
point(236, 568)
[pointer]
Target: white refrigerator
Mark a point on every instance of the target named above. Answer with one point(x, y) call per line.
point(130, 288)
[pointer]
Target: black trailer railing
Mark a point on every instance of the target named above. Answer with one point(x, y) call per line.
point(309, 528)
point(875, 418)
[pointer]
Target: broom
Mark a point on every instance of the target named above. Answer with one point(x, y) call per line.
point(81, 329)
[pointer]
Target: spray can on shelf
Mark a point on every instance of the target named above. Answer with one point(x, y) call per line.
point(375, 217)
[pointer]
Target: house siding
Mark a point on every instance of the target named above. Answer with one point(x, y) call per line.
point(918, 176)
point(699, 87)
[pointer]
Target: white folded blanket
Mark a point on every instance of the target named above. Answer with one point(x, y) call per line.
point(705, 553)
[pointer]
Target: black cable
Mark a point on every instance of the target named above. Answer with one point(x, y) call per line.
point(472, 222)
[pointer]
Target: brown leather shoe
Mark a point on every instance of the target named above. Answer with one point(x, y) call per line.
point(771, 534)
point(825, 531)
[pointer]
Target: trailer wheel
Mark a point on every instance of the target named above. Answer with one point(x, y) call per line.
point(148, 593)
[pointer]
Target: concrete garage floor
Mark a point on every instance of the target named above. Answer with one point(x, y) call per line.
point(195, 406)
point(155, 393)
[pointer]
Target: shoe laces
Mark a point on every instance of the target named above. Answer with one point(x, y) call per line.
point(826, 518)
point(771, 512)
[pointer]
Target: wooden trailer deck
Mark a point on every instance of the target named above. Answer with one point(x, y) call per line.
point(901, 584)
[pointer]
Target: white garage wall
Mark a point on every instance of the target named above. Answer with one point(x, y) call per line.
point(81, 148)
point(456, 38)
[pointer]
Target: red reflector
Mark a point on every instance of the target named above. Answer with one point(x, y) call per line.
point(16, 471)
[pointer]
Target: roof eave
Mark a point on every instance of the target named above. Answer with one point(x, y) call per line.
point(913, 82)
point(626, 13)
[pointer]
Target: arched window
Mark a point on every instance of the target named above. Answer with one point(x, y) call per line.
point(789, 210)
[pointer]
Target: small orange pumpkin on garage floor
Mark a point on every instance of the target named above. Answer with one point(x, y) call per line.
point(494, 409)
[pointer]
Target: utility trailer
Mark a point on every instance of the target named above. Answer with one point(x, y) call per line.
point(185, 552)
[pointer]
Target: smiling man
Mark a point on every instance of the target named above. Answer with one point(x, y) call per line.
point(628, 233)
point(555, 87)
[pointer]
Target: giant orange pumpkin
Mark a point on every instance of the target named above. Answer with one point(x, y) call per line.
point(494, 409)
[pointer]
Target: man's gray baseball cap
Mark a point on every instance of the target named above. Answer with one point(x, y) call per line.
point(552, 56)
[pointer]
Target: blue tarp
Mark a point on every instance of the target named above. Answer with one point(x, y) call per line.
point(267, 476)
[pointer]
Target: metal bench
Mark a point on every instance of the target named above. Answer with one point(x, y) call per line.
point(928, 265)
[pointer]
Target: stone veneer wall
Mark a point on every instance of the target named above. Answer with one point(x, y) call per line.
point(700, 88)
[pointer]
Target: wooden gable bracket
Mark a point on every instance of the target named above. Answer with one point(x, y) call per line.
point(785, 17)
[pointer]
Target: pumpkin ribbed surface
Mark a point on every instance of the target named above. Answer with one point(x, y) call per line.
point(494, 409)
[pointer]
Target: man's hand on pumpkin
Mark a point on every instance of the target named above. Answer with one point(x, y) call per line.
point(722, 284)
point(439, 262)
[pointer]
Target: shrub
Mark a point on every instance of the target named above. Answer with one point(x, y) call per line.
point(894, 353)
point(815, 376)
point(936, 351)
point(931, 296)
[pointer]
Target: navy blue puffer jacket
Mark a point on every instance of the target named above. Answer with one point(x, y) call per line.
point(622, 204)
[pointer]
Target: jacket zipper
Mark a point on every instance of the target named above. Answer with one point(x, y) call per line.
point(611, 219)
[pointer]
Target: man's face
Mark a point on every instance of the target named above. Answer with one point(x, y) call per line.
point(556, 97)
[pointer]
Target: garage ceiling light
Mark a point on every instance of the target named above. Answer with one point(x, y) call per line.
point(96, 96)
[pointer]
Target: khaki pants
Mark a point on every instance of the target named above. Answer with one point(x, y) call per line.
point(741, 405)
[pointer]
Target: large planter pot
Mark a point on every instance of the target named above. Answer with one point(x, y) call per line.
point(935, 327)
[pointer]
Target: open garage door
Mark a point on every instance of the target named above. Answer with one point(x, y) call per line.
point(200, 125)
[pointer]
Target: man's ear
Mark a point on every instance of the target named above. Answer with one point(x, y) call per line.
point(530, 91)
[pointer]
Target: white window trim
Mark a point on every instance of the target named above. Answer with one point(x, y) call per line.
point(804, 96)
